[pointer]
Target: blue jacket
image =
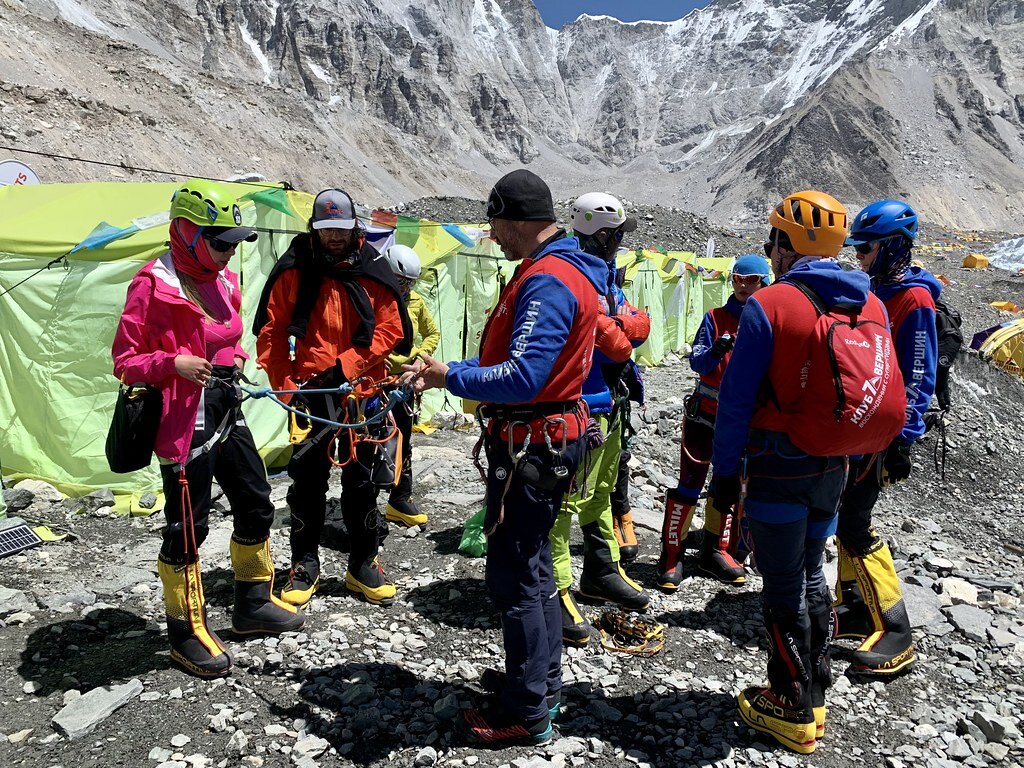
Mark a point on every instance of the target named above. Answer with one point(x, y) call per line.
point(916, 342)
point(595, 389)
point(549, 307)
point(701, 360)
point(752, 355)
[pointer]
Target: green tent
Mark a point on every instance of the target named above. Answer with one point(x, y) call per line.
point(77, 246)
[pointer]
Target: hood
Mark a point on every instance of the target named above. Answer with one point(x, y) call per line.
point(830, 281)
point(916, 277)
point(594, 267)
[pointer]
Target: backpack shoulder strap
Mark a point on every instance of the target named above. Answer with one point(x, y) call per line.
point(812, 296)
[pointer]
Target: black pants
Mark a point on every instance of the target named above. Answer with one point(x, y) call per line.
point(620, 493)
point(237, 466)
point(859, 498)
point(403, 418)
point(520, 576)
point(310, 470)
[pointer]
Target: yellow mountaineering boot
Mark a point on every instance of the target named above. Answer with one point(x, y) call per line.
point(783, 709)
point(889, 649)
point(371, 582)
point(194, 646)
point(404, 512)
point(625, 536)
point(575, 629)
point(257, 610)
point(303, 581)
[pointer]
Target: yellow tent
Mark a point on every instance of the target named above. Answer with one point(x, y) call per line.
point(1006, 306)
point(1005, 347)
point(976, 261)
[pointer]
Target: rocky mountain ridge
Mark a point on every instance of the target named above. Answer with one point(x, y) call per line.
point(719, 112)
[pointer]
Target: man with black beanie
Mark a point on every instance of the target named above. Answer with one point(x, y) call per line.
point(535, 353)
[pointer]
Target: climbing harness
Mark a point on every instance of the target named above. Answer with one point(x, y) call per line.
point(518, 421)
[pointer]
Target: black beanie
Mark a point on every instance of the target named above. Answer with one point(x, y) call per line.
point(521, 196)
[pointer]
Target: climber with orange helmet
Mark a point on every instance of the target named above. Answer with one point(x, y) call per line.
point(794, 403)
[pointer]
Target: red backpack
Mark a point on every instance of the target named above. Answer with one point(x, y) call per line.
point(853, 400)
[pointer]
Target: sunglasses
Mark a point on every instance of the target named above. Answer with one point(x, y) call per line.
point(864, 248)
point(218, 245)
point(748, 281)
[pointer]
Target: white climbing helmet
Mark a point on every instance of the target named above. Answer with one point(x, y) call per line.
point(595, 211)
point(404, 262)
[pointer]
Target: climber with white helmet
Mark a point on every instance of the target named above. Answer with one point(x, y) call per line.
point(405, 265)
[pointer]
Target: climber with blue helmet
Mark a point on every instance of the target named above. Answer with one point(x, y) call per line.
point(869, 603)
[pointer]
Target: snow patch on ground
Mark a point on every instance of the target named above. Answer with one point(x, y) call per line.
point(1009, 254)
point(909, 25)
point(319, 71)
point(257, 53)
point(74, 12)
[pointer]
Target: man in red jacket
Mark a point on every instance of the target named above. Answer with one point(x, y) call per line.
point(342, 305)
point(535, 353)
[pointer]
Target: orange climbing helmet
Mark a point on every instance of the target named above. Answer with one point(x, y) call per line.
point(816, 223)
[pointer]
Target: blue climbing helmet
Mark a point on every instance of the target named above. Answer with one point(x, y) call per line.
point(894, 223)
point(752, 264)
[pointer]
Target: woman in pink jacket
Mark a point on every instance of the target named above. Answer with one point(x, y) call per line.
point(180, 332)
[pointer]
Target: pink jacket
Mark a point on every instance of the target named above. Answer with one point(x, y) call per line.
point(159, 323)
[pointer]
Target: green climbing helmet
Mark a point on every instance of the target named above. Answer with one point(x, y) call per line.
point(206, 203)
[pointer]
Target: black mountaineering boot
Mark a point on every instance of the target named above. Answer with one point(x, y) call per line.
point(602, 578)
point(257, 609)
point(194, 646)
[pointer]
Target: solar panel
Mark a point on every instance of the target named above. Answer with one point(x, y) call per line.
point(15, 536)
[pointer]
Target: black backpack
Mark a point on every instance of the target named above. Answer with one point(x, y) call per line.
point(951, 341)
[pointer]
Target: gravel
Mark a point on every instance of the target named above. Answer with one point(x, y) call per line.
point(367, 686)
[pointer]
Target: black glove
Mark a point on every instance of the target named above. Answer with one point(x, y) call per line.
point(896, 462)
point(722, 345)
point(724, 492)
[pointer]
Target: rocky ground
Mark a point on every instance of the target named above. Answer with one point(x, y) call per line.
point(89, 682)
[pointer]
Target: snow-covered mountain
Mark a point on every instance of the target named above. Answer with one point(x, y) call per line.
point(721, 111)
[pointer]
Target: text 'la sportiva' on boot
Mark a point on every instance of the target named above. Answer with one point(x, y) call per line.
point(889, 649)
point(783, 709)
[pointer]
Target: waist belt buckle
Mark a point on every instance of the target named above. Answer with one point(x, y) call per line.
point(560, 470)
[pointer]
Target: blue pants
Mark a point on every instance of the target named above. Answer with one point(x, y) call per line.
point(519, 574)
point(791, 509)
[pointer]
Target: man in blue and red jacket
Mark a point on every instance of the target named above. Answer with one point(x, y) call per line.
point(869, 602)
point(775, 429)
point(535, 353)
